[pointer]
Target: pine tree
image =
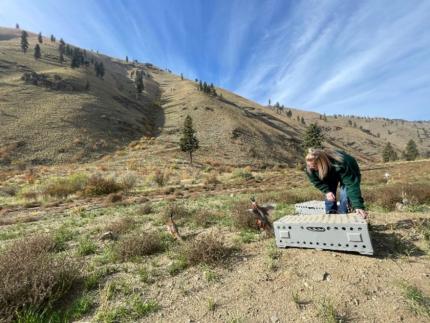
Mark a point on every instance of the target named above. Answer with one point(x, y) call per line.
point(212, 90)
point(200, 86)
point(270, 102)
point(389, 154)
point(100, 69)
point(138, 80)
point(182, 77)
point(314, 137)
point(325, 117)
point(189, 142)
point(24, 41)
point(53, 38)
point(302, 120)
point(17, 26)
point(39, 38)
point(37, 53)
point(76, 58)
point(126, 59)
point(411, 151)
point(62, 49)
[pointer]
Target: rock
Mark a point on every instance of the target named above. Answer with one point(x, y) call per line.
point(356, 302)
point(107, 236)
point(274, 319)
point(318, 277)
point(400, 206)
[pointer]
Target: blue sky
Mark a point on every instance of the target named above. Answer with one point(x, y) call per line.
point(362, 57)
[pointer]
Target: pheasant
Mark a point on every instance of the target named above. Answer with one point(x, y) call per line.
point(172, 228)
point(261, 214)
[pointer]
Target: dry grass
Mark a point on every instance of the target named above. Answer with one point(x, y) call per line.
point(387, 196)
point(31, 277)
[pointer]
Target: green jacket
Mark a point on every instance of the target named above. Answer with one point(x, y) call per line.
point(347, 173)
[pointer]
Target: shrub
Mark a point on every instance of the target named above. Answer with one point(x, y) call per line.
point(146, 208)
point(207, 249)
point(242, 217)
point(32, 278)
point(204, 218)
point(128, 181)
point(139, 245)
point(389, 195)
point(177, 211)
point(8, 191)
point(160, 177)
point(212, 178)
point(244, 173)
point(63, 187)
point(121, 226)
point(98, 185)
point(86, 247)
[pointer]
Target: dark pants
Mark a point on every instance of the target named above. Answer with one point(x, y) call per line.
point(331, 207)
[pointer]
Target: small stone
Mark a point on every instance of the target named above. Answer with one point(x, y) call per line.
point(107, 236)
point(274, 319)
point(356, 302)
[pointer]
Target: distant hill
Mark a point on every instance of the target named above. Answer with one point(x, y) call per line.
point(52, 113)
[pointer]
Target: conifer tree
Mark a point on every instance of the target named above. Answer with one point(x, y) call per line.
point(76, 58)
point(302, 120)
point(189, 142)
point(411, 151)
point(389, 154)
point(52, 38)
point(39, 38)
point(182, 77)
point(24, 41)
point(126, 59)
point(138, 80)
point(314, 137)
point(17, 26)
point(62, 49)
point(37, 53)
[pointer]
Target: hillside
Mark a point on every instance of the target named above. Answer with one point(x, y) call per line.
point(68, 121)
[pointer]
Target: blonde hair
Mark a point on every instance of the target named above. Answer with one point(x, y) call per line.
point(323, 160)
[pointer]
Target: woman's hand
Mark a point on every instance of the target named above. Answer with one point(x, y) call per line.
point(361, 213)
point(330, 197)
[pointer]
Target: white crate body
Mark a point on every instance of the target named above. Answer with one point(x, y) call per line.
point(311, 207)
point(345, 232)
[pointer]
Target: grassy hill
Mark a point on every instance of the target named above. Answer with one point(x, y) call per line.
point(67, 121)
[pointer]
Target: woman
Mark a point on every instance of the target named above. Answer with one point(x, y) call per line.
point(326, 169)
